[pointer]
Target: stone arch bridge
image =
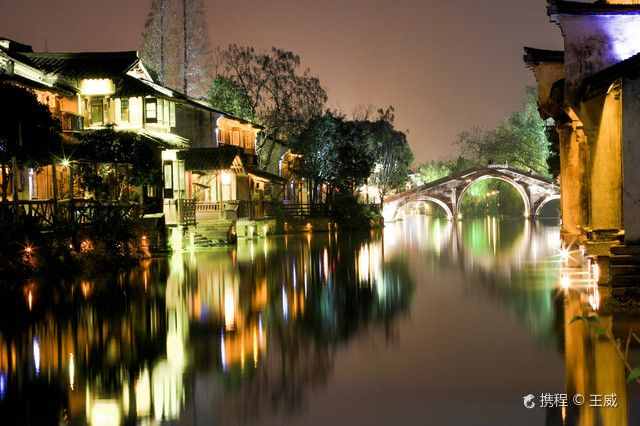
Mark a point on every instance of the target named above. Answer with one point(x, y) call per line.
point(535, 190)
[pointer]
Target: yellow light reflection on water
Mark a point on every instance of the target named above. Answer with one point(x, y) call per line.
point(72, 371)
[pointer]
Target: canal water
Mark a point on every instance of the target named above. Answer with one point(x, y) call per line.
point(426, 323)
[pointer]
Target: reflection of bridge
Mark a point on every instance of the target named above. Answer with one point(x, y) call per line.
point(535, 190)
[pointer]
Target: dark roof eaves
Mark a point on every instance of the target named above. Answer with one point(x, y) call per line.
point(562, 7)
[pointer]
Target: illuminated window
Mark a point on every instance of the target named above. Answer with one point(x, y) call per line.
point(124, 109)
point(168, 179)
point(167, 113)
point(151, 110)
point(160, 111)
point(172, 114)
point(97, 111)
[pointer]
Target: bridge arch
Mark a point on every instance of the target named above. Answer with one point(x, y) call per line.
point(546, 201)
point(519, 188)
point(426, 199)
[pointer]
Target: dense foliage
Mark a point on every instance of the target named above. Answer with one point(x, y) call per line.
point(121, 159)
point(269, 88)
point(28, 131)
point(520, 141)
point(29, 134)
point(345, 154)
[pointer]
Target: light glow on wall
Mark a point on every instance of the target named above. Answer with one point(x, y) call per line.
point(97, 87)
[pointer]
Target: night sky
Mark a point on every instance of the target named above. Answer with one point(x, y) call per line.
point(445, 65)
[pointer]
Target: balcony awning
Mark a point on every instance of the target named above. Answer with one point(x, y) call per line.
point(267, 176)
point(211, 159)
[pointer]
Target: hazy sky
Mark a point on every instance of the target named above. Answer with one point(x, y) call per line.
point(445, 65)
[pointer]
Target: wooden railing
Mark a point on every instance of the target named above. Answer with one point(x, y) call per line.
point(306, 210)
point(71, 122)
point(186, 211)
point(47, 214)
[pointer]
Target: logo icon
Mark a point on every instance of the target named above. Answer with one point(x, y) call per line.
point(529, 401)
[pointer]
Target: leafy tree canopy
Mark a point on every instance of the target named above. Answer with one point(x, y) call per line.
point(271, 88)
point(345, 154)
point(228, 96)
point(28, 131)
point(521, 140)
point(110, 146)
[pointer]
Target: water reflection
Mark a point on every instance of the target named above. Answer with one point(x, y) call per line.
point(247, 335)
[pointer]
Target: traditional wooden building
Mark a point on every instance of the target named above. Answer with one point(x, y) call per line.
point(208, 157)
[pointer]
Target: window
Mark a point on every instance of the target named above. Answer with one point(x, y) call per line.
point(160, 111)
point(167, 114)
point(97, 111)
point(124, 110)
point(168, 179)
point(172, 114)
point(151, 109)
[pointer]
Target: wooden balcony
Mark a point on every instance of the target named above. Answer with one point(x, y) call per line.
point(71, 122)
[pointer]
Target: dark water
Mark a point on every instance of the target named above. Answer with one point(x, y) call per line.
point(429, 323)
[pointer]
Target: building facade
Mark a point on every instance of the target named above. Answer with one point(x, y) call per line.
point(590, 91)
point(208, 157)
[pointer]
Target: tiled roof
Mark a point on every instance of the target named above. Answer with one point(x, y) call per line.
point(81, 65)
point(266, 175)
point(209, 158)
point(561, 7)
point(533, 56)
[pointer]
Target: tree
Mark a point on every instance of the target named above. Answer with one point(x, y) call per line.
point(438, 169)
point(392, 154)
point(196, 67)
point(29, 134)
point(175, 45)
point(160, 51)
point(316, 146)
point(335, 152)
point(281, 97)
point(227, 96)
point(521, 140)
point(117, 160)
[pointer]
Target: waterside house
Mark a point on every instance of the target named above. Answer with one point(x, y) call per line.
point(208, 158)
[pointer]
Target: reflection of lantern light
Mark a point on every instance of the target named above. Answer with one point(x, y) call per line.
point(229, 309)
point(72, 371)
point(595, 272)
point(565, 282)
point(223, 357)
point(36, 355)
point(30, 300)
point(3, 385)
point(105, 412)
point(285, 304)
point(594, 299)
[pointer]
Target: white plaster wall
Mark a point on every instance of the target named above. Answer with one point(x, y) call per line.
point(595, 42)
point(631, 159)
